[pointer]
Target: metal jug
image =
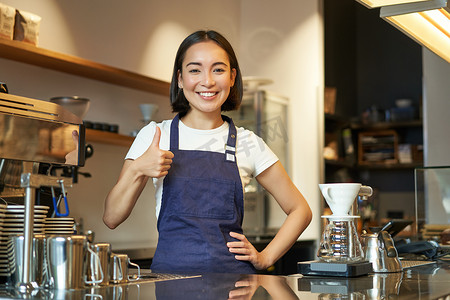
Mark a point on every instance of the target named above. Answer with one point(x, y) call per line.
point(379, 249)
point(385, 286)
point(37, 274)
point(119, 268)
point(67, 262)
point(103, 250)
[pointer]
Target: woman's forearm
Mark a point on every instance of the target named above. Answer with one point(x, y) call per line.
point(295, 223)
point(123, 196)
point(276, 181)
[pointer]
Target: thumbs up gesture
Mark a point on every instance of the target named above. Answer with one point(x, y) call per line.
point(72, 156)
point(155, 162)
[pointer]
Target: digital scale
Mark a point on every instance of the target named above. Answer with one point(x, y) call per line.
point(338, 285)
point(322, 268)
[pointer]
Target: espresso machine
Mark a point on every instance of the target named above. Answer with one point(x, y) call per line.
point(34, 133)
point(340, 252)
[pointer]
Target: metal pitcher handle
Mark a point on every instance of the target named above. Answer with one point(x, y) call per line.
point(92, 266)
point(139, 271)
point(119, 264)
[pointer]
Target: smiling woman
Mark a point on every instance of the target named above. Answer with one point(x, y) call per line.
point(223, 66)
point(197, 162)
point(205, 81)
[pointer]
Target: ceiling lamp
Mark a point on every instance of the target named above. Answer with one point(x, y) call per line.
point(379, 3)
point(425, 21)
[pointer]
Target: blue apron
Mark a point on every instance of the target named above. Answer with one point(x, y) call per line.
point(202, 202)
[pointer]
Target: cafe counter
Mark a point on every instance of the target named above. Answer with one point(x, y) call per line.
point(430, 281)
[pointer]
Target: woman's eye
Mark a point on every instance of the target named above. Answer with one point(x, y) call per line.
point(194, 71)
point(219, 70)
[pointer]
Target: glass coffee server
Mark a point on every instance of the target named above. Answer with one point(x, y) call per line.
point(264, 113)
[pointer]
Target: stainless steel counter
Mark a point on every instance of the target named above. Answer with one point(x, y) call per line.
point(424, 282)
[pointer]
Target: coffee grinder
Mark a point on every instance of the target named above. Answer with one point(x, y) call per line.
point(340, 252)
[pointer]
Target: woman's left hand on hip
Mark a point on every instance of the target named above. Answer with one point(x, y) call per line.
point(245, 251)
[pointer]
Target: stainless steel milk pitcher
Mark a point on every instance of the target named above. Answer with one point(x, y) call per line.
point(37, 274)
point(119, 268)
point(67, 262)
point(103, 250)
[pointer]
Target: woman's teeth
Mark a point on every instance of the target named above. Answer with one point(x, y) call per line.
point(207, 94)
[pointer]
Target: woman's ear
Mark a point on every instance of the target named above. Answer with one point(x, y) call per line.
point(180, 80)
point(233, 76)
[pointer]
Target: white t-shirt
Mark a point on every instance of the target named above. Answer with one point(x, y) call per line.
point(253, 156)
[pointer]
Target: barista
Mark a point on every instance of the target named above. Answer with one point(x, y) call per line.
point(199, 180)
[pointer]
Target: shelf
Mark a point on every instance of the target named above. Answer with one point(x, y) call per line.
point(388, 166)
point(29, 54)
point(372, 166)
point(340, 163)
point(387, 125)
point(336, 118)
point(105, 137)
point(335, 121)
point(377, 147)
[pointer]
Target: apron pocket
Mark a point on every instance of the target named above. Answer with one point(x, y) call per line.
point(202, 197)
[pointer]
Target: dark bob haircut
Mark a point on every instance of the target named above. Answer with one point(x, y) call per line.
point(177, 99)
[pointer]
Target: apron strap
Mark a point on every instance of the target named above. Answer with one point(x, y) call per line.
point(230, 146)
point(174, 133)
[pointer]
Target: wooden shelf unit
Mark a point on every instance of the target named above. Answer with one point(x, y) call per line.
point(29, 54)
point(105, 137)
point(386, 125)
point(378, 147)
point(336, 123)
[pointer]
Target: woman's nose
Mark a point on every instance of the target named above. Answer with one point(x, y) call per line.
point(208, 80)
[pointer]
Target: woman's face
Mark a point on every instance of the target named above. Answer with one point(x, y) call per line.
point(206, 77)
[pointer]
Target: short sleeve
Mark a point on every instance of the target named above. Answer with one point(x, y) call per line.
point(142, 141)
point(265, 156)
point(253, 155)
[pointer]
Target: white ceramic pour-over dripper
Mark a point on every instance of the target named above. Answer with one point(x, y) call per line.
point(340, 196)
point(148, 110)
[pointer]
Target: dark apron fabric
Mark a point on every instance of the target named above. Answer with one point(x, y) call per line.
point(202, 202)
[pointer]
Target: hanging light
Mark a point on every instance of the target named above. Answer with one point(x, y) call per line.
point(379, 3)
point(427, 22)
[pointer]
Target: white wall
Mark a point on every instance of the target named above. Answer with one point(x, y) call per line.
point(143, 38)
point(283, 40)
point(140, 35)
point(436, 105)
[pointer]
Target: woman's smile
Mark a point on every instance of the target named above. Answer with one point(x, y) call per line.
point(207, 95)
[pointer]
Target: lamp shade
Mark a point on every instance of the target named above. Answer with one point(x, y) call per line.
point(427, 22)
point(380, 3)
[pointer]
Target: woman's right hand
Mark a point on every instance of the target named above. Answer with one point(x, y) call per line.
point(120, 201)
point(154, 162)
